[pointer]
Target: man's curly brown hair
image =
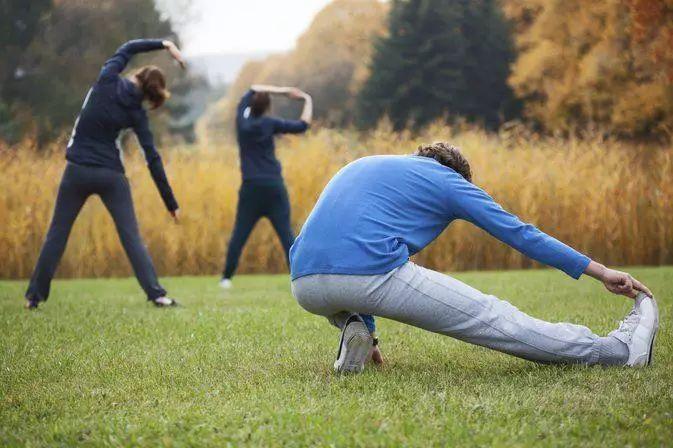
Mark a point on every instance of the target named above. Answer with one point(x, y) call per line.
point(447, 155)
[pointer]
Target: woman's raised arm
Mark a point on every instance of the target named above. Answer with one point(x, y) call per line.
point(118, 62)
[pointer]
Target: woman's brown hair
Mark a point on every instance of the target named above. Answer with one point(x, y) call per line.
point(153, 85)
point(260, 103)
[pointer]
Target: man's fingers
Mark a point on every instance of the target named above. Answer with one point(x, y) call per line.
point(622, 285)
point(642, 288)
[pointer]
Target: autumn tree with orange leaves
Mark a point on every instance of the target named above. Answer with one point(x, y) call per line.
point(595, 66)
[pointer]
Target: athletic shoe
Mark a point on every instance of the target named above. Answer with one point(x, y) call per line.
point(638, 330)
point(354, 346)
point(164, 302)
point(225, 283)
point(31, 304)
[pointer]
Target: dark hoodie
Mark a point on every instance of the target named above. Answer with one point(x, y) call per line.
point(112, 105)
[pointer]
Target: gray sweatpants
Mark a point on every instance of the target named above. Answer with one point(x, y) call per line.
point(78, 183)
point(439, 303)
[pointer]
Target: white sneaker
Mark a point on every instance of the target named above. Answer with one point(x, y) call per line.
point(162, 302)
point(354, 347)
point(225, 283)
point(638, 331)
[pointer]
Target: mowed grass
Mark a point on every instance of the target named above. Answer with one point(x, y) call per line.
point(97, 365)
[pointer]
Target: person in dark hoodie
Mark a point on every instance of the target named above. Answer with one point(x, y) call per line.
point(263, 191)
point(94, 166)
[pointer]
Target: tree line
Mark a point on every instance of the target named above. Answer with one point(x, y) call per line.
point(565, 67)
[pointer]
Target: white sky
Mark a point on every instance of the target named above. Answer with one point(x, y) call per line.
point(243, 26)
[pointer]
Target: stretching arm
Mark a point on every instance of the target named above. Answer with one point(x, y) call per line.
point(293, 93)
point(271, 89)
point(118, 62)
point(154, 162)
point(473, 204)
point(307, 112)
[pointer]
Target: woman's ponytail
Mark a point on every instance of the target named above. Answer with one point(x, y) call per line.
point(153, 85)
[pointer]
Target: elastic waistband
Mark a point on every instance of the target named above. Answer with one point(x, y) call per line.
point(70, 163)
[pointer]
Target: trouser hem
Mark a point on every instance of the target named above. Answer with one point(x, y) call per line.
point(34, 297)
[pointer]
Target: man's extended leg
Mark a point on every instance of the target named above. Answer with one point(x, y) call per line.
point(71, 197)
point(439, 303)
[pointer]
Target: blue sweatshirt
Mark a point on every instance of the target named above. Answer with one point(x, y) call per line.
point(112, 105)
point(256, 141)
point(380, 210)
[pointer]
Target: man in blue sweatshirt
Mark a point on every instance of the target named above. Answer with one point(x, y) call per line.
point(263, 192)
point(351, 262)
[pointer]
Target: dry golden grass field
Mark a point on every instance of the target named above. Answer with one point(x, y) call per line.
point(610, 200)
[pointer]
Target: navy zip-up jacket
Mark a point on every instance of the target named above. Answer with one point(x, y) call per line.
point(112, 105)
point(256, 141)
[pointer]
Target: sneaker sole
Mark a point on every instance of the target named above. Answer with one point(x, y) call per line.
point(173, 304)
point(650, 357)
point(358, 345)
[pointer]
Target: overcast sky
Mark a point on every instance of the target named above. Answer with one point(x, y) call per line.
point(243, 26)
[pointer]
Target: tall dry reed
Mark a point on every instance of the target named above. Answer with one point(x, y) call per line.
point(610, 200)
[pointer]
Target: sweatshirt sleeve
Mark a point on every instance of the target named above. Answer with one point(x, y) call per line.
point(473, 204)
point(281, 126)
point(154, 162)
point(117, 63)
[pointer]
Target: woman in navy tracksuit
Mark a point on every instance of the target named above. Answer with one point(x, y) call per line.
point(263, 191)
point(94, 166)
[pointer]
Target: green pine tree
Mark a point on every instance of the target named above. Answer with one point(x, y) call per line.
point(441, 59)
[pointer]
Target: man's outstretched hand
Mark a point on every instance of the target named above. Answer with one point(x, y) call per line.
point(617, 282)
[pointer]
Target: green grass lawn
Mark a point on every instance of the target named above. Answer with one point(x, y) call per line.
point(97, 365)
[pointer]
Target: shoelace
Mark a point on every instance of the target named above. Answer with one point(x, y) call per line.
point(629, 323)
